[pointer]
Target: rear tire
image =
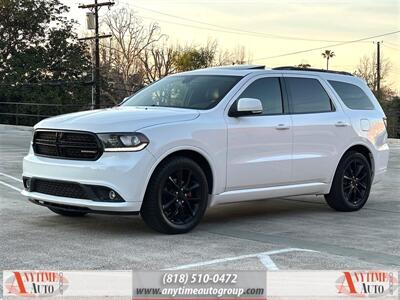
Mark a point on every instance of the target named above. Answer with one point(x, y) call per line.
point(352, 183)
point(176, 196)
point(67, 213)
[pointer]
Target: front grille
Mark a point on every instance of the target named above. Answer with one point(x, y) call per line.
point(67, 144)
point(70, 189)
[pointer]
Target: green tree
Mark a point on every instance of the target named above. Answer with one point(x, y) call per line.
point(41, 59)
point(193, 58)
point(304, 65)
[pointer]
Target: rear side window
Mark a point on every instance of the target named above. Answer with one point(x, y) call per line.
point(308, 96)
point(268, 91)
point(352, 96)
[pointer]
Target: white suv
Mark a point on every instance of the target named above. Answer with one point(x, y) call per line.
point(212, 136)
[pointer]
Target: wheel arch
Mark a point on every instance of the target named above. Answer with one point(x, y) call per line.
point(360, 148)
point(364, 150)
point(195, 154)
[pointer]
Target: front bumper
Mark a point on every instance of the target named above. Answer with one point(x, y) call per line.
point(124, 172)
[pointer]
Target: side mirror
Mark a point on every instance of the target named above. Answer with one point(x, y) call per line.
point(246, 107)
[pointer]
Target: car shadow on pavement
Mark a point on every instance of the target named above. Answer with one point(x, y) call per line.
point(234, 214)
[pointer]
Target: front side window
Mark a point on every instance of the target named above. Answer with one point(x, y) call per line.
point(352, 96)
point(188, 91)
point(268, 91)
point(308, 96)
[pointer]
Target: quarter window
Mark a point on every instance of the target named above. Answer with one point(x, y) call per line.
point(268, 91)
point(352, 96)
point(308, 96)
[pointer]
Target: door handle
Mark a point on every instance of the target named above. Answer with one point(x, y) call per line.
point(282, 127)
point(341, 124)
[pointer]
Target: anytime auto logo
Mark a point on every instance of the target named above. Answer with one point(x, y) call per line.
point(35, 283)
point(367, 283)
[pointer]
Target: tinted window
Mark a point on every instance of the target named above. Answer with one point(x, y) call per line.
point(352, 96)
point(268, 91)
point(308, 96)
point(189, 91)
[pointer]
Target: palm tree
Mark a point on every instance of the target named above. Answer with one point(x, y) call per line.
point(328, 54)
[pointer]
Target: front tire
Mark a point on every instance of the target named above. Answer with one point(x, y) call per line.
point(67, 213)
point(352, 183)
point(176, 197)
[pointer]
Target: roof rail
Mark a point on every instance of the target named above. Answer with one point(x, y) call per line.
point(290, 68)
point(242, 67)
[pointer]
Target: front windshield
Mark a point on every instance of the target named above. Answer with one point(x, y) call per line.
point(187, 91)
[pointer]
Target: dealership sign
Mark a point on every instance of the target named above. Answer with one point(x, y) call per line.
point(371, 283)
point(191, 284)
point(53, 284)
point(35, 283)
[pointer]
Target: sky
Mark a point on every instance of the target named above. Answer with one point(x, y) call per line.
point(272, 28)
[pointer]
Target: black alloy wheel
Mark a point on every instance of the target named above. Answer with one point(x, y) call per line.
point(355, 181)
point(176, 196)
point(181, 195)
point(352, 183)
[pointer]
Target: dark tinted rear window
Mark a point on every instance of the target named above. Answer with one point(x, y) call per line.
point(308, 96)
point(352, 96)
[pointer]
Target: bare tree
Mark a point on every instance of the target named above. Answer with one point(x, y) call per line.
point(158, 62)
point(366, 69)
point(130, 39)
point(237, 56)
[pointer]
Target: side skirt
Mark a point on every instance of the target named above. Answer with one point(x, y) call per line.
point(270, 192)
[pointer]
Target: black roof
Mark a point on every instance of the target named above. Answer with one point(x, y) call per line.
point(290, 68)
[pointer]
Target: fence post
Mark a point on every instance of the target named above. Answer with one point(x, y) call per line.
point(37, 113)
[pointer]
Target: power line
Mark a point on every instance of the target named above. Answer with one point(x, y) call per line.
point(390, 47)
point(190, 25)
point(231, 29)
point(326, 46)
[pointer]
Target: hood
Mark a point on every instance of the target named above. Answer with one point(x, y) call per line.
point(118, 119)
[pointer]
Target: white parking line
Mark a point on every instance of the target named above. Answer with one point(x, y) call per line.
point(268, 263)
point(11, 177)
point(263, 256)
point(10, 186)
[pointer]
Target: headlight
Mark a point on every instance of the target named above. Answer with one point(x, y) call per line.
point(123, 142)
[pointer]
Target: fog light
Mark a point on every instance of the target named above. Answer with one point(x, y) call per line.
point(27, 183)
point(112, 195)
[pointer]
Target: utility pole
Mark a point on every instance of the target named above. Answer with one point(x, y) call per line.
point(96, 74)
point(378, 68)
